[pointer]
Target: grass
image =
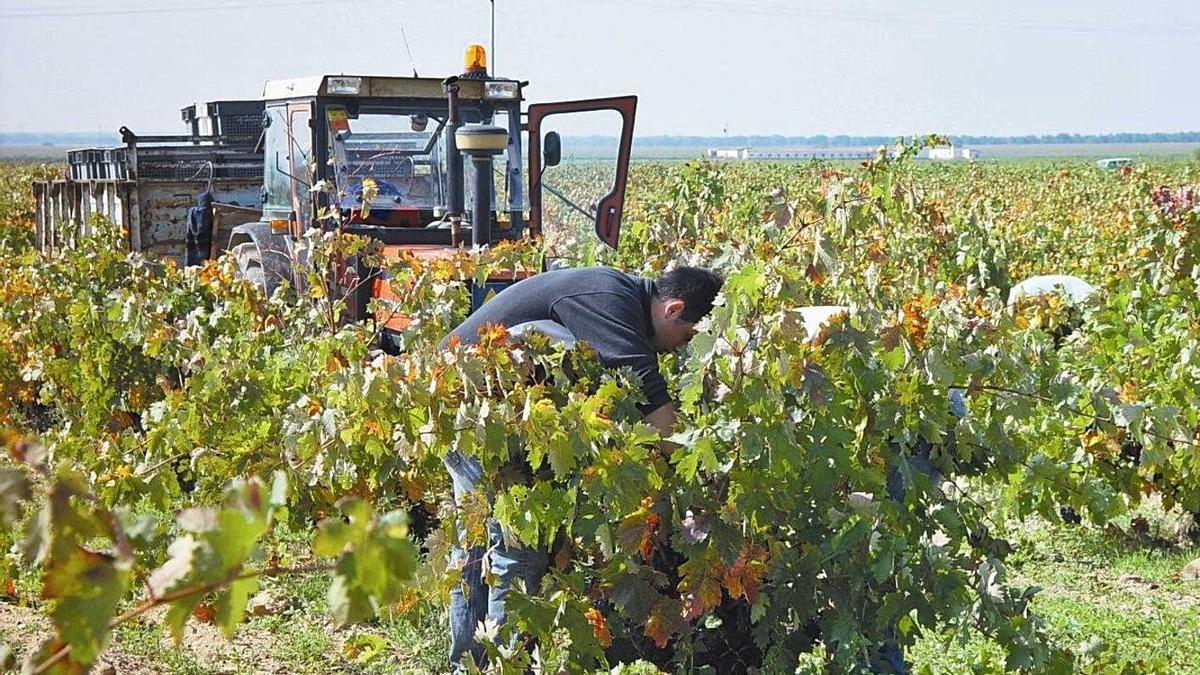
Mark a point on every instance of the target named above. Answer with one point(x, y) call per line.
point(307, 642)
point(144, 641)
point(1100, 590)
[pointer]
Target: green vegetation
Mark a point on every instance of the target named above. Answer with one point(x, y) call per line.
point(182, 452)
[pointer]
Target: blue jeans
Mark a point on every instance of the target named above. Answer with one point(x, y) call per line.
point(472, 600)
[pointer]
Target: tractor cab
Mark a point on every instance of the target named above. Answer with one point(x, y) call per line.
point(424, 165)
point(394, 134)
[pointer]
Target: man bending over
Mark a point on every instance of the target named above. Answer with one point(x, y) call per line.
point(628, 320)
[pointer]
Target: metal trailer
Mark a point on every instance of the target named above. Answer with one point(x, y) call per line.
point(147, 187)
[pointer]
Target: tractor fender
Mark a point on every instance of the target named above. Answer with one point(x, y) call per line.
point(264, 257)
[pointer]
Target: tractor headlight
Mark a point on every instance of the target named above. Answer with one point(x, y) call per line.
point(344, 85)
point(501, 90)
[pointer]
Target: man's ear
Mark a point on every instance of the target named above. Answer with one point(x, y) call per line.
point(673, 308)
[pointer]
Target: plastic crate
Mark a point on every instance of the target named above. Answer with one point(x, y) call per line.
point(97, 164)
point(232, 119)
point(247, 167)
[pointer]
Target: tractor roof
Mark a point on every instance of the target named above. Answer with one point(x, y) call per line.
point(367, 85)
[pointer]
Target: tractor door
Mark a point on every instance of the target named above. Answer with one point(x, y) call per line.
point(578, 166)
point(300, 164)
point(288, 175)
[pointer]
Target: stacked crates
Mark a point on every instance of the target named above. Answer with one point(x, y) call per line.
point(231, 119)
point(221, 143)
point(97, 164)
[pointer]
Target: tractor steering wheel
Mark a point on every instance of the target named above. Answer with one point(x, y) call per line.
point(385, 189)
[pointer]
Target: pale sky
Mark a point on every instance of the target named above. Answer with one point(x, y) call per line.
point(799, 67)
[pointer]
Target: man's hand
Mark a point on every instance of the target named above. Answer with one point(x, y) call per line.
point(662, 418)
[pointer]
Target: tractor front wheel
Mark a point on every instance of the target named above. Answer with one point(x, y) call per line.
point(249, 263)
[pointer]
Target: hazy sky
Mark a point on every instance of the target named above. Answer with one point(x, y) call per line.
point(762, 66)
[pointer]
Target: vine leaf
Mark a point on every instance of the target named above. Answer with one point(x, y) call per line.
point(375, 559)
point(701, 584)
point(14, 489)
point(86, 587)
point(744, 577)
point(665, 621)
point(213, 553)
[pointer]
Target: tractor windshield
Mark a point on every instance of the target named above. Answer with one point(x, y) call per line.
point(402, 154)
point(403, 151)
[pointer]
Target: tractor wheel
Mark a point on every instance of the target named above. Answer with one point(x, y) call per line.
point(249, 262)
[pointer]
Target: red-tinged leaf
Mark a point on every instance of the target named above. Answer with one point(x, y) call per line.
point(814, 275)
point(493, 334)
point(638, 532)
point(204, 613)
point(744, 576)
point(646, 546)
point(664, 622)
point(335, 361)
point(599, 627)
point(701, 584)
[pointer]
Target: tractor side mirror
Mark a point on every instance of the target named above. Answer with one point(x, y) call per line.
point(552, 149)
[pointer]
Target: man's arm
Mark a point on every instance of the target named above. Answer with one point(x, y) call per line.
point(613, 327)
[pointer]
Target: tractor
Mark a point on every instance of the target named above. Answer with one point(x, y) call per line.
point(423, 165)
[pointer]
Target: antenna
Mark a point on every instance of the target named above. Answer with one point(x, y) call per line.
point(412, 62)
point(492, 47)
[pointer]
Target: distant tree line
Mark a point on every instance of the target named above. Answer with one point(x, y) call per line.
point(846, 141)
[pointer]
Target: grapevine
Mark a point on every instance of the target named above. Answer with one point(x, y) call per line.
point(824, 498)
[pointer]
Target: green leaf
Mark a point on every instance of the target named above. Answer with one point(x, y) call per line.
point(230, 604)
point(375, 560)
point(86, 587)
point(365, 648)
point(690, 460)
point(561, 454)
point(218, 545)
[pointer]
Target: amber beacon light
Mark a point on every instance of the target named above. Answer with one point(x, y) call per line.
point(475, 60)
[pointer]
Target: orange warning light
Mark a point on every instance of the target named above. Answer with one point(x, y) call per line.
point(475, 60)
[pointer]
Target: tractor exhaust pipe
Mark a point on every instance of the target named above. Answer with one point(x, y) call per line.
point(481, 210)
point(481, 143)
point(454, 163)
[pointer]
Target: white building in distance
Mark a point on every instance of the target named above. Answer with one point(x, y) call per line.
point(948, 153)
point(729, 153)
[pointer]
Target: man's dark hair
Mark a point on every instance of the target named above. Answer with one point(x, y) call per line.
point(696, 286)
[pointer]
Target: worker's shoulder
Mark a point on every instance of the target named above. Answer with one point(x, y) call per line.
point(577, 280)
point(597, 278)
